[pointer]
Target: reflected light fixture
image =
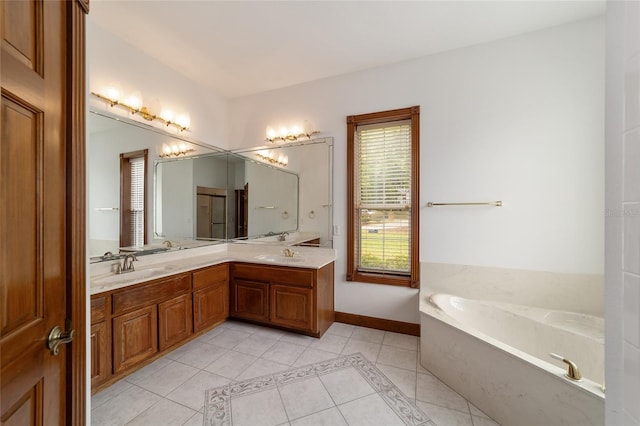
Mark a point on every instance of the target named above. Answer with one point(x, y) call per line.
point(135, 107)
point(269, 156)
point(290, 134)
point(175, 150)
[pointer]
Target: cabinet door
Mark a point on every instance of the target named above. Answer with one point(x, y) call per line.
point(210, 305)
point(250, 300)
point(100, 360)
point(292, 307)
point(135, 337)
point(175, 321)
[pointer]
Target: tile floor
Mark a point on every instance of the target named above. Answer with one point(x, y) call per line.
point(170, 391)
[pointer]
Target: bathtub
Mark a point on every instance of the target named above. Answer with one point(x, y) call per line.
point(496, 354)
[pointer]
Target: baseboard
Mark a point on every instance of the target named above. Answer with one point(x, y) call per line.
point(379, 323)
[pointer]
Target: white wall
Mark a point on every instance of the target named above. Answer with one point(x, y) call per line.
point(113, 61)
point(623, 214)
point(519, 120)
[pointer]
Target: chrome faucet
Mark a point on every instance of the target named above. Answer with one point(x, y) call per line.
point(283, 236)
point(127, 264)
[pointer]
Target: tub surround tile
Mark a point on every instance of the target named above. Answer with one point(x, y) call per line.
point(631, 379)
point(631, 318)
point(631, 254)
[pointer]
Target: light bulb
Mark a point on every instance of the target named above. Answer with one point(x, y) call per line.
point(295, 131)
point(166, 150)
point(283, 132)
point(183, 120)
point(271, 133)
point(183, 148)
point(308, 128)
point(286, 160)
point(166, 115)
point(135, 100)
point(113, 94)
point(175, 148)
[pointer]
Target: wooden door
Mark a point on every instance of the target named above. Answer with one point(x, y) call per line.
point(41, 262)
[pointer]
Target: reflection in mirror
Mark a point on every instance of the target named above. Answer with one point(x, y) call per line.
point(256, 199)
point(312, 162)
point(108, 137)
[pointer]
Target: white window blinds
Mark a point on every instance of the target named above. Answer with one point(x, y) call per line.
point(383, 197)
point(137, 201)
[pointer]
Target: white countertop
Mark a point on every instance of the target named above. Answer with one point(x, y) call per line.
point(168, 263)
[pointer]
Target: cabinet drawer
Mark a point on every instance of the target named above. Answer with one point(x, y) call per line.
point(206, 277)
point(295, 276)
point(98, 309)
point(150, 293)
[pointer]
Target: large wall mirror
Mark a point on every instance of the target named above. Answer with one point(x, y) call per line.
point(206, 197)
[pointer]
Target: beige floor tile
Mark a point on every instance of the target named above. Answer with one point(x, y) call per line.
point(109, 393)
point(402, 341)
point(284, 353)
point(231, 364)
point(445, 416)
point(191, 392)
point(255, 345)
point(396, 357)
point(168, 378)
point(328, 417)
point(346, 385)
point(124, 407)
point(330, 343)
point(261, 408)
point(341, 329)
point(405, 380)
point(368, 334)
point(367, 349)
point(229, 338)
point(311, 356)
point(164, 412)
point(262, 367)
point(201, 355)
point(430, 389)
point(369, 410)
point(305, 397)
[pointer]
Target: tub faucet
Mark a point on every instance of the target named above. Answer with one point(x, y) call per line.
point(127, 264)
point(573, 372)
point(283, 236)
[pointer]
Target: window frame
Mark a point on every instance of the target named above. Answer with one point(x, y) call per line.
point(353, 274)
point(125, 195)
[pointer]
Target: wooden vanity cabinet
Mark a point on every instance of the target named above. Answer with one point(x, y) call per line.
point(100, 368)
point(175, 321)
point(135, 337)
point(300, 299)
point(210, 296)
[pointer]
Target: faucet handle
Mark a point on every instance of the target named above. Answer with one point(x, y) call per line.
point(573, 372)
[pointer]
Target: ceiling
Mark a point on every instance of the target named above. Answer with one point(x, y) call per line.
point(238, 48)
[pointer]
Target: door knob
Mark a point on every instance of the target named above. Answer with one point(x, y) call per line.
point(57, 336)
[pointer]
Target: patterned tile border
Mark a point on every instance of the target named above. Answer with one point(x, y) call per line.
point(217, 409)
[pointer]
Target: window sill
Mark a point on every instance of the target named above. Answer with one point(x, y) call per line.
point(384, 279)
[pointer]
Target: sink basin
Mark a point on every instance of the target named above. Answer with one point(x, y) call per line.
point(135, 275)
point(279, 258)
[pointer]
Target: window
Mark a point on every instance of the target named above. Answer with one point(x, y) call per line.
point(383, 215)
point(133, 189)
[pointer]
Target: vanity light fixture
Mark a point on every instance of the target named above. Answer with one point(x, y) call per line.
point(269, 156)
point(175, 150)
point(292, 134)
point(134, 106)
